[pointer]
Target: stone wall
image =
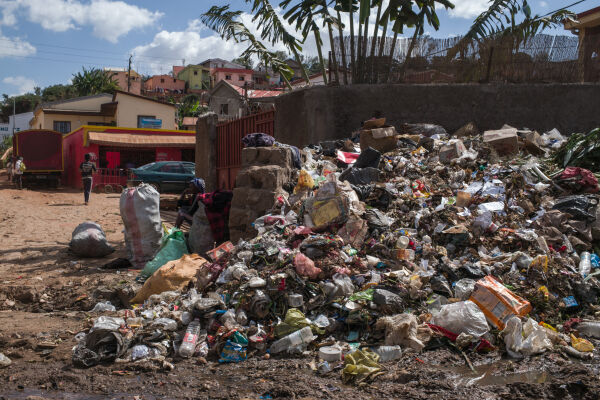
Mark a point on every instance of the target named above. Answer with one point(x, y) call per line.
point(322, 113)
point(258, 184)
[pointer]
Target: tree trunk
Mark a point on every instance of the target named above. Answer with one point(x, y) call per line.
point(320, 53)
point(381, 49)
point(342, 48)
point(333, 61)
point(352, 51)
point(394, 40)
point(364, 51)
point(374, 42)
point(299, 61)
point(356, 77)
point(287, 82)
point(411, 46)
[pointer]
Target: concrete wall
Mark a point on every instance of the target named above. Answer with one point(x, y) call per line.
point(320, 113)
point(130, 107)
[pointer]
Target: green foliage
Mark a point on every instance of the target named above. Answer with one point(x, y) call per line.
point(500, 20)
point(581, 150)
point(94, 81)
point(58, 92)
point(189, 107)
point(5, 143)
point(23, 103)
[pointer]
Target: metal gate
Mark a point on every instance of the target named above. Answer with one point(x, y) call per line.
point(229, 143)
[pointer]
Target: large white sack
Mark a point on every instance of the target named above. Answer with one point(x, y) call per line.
point(462, 317)
point(201, 239)
point(141, 217)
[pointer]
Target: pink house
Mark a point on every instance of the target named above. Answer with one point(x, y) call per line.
point(164, 83)
point(234, 76)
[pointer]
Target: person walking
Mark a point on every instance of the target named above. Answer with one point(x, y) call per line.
point(87, 168)
point(18, 173)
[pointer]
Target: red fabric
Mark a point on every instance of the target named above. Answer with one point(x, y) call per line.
point(585, 177)
point(347, 158)
point(217, 209)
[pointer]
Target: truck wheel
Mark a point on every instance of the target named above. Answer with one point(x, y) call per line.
point(108, 189)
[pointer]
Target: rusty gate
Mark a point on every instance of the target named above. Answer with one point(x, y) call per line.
point(229, 143)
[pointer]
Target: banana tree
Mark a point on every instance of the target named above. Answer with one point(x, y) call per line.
point(228, 25)
point(303, 16)
point(500, 20)
point(273, 30)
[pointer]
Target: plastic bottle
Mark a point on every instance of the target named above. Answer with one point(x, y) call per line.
point(589, 329)
point(188, 345)
point(585, 264)
point(388, 353)
point(302, 336)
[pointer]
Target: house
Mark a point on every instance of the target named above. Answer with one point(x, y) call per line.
point(121, 109)
point(177, 69)
point(19, 122)
point(189, 123)
point(295, 66)
point(164, 84)
point(315, 80)
point(121, 76)
point(196, 77)
point(116, 149)
point(587, 27)
point(233, 73)
point(231, 101)
point(264, 78)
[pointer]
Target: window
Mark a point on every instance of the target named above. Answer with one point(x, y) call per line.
point(174, 80)
point(143, 117)
point(195, 72)
point(224, 109)
point(162, 80)
point(228, 77)
point(241, 78)
point(172, 168)
point(62, 126)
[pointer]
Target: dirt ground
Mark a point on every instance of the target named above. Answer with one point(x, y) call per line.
point(45, 293)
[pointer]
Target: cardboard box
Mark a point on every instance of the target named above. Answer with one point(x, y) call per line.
point(384, 142)
point(504, 141)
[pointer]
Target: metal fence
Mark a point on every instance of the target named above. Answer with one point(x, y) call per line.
point(542, 58)
point(229, 143)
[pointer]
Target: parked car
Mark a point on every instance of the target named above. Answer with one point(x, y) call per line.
point(164, 176)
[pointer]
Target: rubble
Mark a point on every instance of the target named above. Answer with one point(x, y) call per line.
point(356, 260)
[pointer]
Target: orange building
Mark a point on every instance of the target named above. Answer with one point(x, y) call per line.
point(164, 83)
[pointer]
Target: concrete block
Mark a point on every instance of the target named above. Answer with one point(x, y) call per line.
point(279, 156)
point(265, 177)
point(469, 129)
point(451, 151)
point(504, 141)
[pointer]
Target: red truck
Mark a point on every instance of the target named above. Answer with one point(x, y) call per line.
point(42, 152)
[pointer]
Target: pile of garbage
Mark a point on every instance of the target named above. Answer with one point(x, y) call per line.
point(387, 243)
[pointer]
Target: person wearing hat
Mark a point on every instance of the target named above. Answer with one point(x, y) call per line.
point(188, 201)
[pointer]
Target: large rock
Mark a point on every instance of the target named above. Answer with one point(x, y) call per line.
point(261, 156)
point(504, 141)
point(469, 129)
point(269, 177)
point(451, 151)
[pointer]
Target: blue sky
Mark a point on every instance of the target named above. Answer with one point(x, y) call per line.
point(43, 42)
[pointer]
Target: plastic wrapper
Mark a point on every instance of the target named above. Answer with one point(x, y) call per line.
point(233, 352)
point(294, 321)
point(305, 181)
point(360, 366)
point(103, 307)
point(462, 317)
point(497, 302)
point(464, 288)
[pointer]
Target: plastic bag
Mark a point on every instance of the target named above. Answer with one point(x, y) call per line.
point(462, 317)
point(89, 240)
point(305, 266)
point(343, 284)
point(201, 237)
point(140, 212)
point(174, 275)
point(525, 339)
point(172, 248)
point(294, 321)
point(581, 344)
point(305, 182)
point(464, 288)
point(360, 365)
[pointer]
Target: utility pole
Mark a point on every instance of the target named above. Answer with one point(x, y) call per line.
point(129, 74)
point(14, 113)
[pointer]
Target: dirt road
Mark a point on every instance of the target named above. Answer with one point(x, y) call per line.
point(46, 293)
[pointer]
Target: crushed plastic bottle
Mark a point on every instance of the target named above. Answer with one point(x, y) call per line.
point(4, 361)
point(188, 345)
point(293, 341)
point(388, 353)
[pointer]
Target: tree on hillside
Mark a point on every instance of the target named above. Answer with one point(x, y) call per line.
point(94, 81)
point(245, 61)
point(23, 103)
point(58, 92)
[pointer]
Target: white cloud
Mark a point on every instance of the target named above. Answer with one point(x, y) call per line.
point(9, 8)
point(108, 19)
point(543, 4)
point(15, 47)
point(22, 84)
point(468, 8)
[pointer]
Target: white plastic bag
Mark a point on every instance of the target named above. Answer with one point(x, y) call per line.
point(343, 284)
point(141, 217)
point(201, 239)
point(525, 339)
point(462, 317)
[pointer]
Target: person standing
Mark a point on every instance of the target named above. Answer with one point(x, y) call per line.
point(87, 168)
point(9, 168)
point(18, 173)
